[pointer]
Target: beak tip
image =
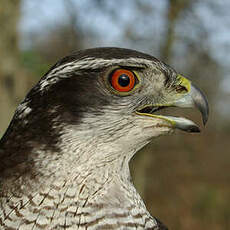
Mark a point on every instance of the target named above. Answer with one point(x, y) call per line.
point(201, 103)
point(205, 119)
point(205, 112)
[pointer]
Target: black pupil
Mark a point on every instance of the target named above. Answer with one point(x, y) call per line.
point(123, 80)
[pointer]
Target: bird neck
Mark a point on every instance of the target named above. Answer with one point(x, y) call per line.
point(85, 175)
point(91, 159)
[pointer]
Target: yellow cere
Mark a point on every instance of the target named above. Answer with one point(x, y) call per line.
point(184, 82)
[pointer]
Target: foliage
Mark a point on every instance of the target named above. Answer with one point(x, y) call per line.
point(34, 63)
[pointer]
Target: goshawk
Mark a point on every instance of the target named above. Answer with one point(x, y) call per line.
point(64, 160)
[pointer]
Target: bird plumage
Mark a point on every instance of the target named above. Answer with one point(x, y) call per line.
point(64, 158)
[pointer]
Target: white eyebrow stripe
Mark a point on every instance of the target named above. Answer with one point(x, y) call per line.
point(88, 63)
point(92, 63)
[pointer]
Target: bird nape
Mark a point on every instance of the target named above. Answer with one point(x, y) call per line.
point(65, 155)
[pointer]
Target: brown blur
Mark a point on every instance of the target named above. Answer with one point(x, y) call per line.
point(184, 178)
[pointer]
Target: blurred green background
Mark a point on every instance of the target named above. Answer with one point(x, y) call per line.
point(184, 178)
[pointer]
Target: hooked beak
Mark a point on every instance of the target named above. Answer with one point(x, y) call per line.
point(191, 97)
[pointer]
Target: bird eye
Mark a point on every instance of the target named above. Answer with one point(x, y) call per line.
point(123, 80)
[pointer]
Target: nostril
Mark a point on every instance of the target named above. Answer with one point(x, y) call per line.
point(181, 89)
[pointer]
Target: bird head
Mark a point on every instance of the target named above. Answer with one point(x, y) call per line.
point(107, 98)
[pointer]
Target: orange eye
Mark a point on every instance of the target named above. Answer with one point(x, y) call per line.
point(123, 80)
